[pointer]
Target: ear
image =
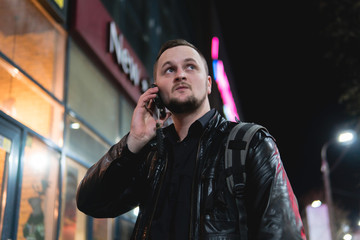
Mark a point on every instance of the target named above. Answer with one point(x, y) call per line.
point(209, 84)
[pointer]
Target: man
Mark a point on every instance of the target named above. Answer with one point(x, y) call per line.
point(183, 195)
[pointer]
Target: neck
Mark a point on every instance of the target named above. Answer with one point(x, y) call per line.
point(183, 121)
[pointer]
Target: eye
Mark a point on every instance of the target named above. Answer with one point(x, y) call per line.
point(169, 70)
point(190, 67)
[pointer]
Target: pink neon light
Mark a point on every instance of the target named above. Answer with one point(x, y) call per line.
point(224, 88)
point(215, 48)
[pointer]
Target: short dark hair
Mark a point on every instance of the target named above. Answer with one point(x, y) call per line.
point(175, 43)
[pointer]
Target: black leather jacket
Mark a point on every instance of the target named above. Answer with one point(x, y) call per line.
point(120, 181)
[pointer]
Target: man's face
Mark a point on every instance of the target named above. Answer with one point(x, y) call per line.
point(182, 79)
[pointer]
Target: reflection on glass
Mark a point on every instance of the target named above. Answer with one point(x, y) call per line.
point(82, 143)
point(73, 221)
point(28, 103)
point(102, 229)
point(39, 191)
point(126, 229)
point(92, 95)
point(31, 39)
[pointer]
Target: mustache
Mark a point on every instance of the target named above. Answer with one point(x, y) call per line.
point(182, 84)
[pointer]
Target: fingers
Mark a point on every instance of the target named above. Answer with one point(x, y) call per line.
point(160, 122)
point(145, 99)
point(149, 94)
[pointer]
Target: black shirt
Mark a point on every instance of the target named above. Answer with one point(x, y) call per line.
point(172, 216)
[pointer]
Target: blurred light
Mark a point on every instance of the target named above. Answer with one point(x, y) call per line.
point(318, 222)
point(14, 72)
point(136, 211)
point(75, 125)
point(316, 204)
point(347, 236)
point(39, 162)
point(359, 223)
point(346, 137)
point(215, 48)
point(222, 82)
point(345, 228)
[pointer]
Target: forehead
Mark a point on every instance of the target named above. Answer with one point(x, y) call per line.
point(178, 54)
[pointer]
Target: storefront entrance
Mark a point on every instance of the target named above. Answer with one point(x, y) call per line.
point(10, 136)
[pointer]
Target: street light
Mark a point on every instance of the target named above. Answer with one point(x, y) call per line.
point(316, 204)
point(345, 137)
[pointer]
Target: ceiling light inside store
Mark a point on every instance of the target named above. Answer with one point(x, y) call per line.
point(75, 125)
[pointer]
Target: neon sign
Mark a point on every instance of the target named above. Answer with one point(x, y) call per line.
point(222, 82)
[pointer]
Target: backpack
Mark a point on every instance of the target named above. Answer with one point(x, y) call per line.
point(236, 149)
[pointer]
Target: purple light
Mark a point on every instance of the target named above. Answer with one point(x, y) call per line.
point(221, 79)
point(215, 48)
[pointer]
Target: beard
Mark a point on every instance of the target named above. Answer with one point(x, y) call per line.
point(188, 106)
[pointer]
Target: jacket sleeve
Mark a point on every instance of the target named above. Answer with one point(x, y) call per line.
point(113, 185)
point(272, 206)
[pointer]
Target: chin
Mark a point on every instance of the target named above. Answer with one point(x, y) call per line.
point(188, 105)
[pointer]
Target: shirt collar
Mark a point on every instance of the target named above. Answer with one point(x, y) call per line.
point(204, 120)
point(197, 127)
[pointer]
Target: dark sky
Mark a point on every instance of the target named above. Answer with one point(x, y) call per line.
point(283, 81)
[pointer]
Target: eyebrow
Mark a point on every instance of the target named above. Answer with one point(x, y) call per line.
point(185, 60)
point(166, 63)
point(190, 60)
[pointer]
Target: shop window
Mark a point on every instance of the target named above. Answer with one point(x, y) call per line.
point(5, 147)
point(126, 223)
point(92, 95)
point(31, 39)
point(126, 228)
point(73, 223)
point(125, 116)
point(102, 228)
point(39, 191)
point(82, 143)
point(25, 101)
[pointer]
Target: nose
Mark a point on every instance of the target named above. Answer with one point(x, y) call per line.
point(180, 75)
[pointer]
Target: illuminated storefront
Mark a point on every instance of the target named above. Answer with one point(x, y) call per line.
point(64, 100)
point(69, 81)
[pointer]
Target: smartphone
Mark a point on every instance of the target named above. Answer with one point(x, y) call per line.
point(159, 104)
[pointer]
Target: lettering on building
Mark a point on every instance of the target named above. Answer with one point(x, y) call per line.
point(124, 59)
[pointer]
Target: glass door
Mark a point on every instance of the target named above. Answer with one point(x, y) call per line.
point(9, 160)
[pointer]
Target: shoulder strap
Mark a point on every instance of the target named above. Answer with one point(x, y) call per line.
point(237, 147)
point(236, 150)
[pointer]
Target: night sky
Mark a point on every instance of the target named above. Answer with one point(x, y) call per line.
point(284, 82)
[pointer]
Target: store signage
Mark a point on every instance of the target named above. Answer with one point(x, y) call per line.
point(93, 26)
point(124, 58)
point(57, 8)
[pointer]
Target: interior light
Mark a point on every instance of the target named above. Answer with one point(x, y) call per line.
point(39, 162)
point(14, 72)
point(75, 125)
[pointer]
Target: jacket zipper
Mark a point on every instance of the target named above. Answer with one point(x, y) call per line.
point(145, 234)
point(193, 186)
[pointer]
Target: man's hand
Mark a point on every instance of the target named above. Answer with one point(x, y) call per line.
point(143, 124)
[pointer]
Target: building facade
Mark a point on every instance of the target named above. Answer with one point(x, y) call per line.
point(70, 75)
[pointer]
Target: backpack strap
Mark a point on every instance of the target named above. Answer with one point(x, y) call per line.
point(236, 151)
